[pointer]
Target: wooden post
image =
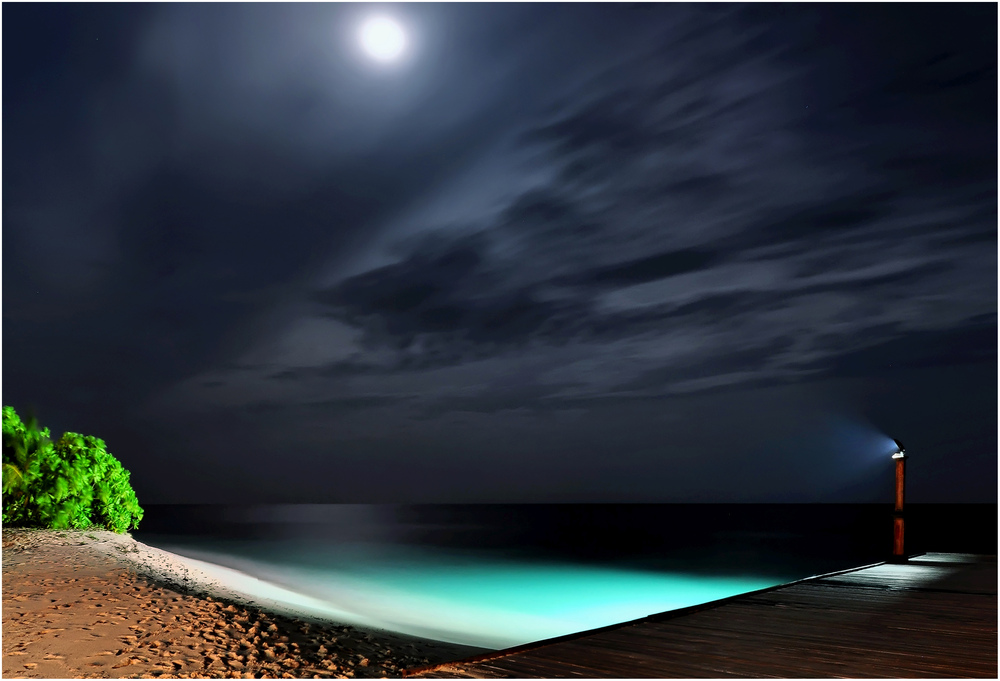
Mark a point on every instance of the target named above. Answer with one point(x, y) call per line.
point(897, 520)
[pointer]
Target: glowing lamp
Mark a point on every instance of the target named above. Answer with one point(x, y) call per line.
point(900, 452)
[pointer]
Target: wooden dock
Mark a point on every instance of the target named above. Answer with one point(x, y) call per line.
point(933, 616)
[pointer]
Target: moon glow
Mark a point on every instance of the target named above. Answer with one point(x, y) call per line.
point(383, 39)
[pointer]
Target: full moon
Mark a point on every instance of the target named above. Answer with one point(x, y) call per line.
point(383, 38)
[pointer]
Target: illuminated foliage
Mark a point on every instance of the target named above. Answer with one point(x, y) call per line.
point(72, 483)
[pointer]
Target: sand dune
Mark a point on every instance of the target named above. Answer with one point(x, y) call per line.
point(92, 604)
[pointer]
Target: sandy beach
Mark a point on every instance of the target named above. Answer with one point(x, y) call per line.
point(93, 604)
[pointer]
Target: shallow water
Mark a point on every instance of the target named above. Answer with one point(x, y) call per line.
point(479, 600)
point(498, 576)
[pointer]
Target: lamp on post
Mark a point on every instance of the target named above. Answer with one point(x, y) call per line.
point(899, 456)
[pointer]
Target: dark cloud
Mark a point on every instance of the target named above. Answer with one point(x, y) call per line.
point(355, 403)
point(543, 217)
point(976, 344)
point(500, 398)
point(972, 238)
point(728, 304)
point(832, 216)
point(655, 267)
point(720, 363)
point(447, 290)
point(942, 170)
point(869, 280)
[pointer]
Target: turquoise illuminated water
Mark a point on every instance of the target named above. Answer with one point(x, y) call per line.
point(478, 600)
point(499, 576)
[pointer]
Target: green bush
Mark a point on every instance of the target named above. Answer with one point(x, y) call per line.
point(73, 483)
point(23, 447)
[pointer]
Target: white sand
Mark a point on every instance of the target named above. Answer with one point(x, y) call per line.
point(80, 604)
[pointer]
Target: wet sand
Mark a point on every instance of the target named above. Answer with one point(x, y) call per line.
point(92, 604)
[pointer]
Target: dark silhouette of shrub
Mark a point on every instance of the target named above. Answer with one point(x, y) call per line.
point(73, 483)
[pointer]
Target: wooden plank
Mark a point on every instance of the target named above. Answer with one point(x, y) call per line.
point(935, 616)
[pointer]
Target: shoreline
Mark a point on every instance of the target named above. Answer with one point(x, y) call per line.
point(93, 604)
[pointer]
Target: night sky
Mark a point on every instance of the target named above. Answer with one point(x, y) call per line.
point(552, 253)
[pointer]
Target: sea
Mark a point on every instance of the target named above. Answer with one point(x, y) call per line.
point(496, 576)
